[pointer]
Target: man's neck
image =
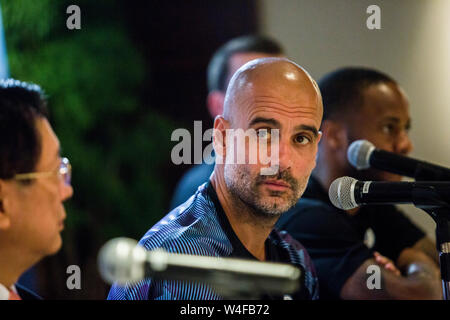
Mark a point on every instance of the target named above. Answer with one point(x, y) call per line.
point(12, 265)
point(251, 230)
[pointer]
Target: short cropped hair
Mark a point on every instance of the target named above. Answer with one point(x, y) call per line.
point(218, 67)
point(342, 90)
point(20, 143)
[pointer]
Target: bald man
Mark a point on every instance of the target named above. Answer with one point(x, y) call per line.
point(234, 213)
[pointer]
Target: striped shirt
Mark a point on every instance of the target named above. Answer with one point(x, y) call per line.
point(200, 227)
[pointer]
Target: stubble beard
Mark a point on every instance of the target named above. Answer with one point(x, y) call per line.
point(246, 191)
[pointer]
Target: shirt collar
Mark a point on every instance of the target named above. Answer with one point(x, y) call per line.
point(4, 292)
point(239, 250)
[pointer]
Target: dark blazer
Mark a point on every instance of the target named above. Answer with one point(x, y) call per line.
point(26, 294)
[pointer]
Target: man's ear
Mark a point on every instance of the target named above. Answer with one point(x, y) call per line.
point(5, 220)
point(220, 138)
point(214, 102)
point(334, 135)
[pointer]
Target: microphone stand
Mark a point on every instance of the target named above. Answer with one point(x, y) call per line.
point(440, 212)
point(442, 218)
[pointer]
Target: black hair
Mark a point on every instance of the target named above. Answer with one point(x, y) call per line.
point(342, 90)
point(20, 143)
point(218, 66)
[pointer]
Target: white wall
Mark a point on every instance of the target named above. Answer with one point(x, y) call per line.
point(413, 46)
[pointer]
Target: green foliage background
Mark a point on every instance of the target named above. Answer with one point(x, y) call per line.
point(94, 81)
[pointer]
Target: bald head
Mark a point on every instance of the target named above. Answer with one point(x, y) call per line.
point(277, 101)
point(270, 77)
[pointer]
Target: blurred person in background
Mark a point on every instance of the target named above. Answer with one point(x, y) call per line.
point(34, 183)
point(361, 103)
point(224, 63)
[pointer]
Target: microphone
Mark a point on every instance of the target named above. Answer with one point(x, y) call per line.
point(363, 155)
point(122, 260)
point(347, 193)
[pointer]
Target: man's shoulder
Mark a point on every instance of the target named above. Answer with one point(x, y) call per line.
point(190, 228)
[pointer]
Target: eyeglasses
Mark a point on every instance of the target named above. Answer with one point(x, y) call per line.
point(64, 172)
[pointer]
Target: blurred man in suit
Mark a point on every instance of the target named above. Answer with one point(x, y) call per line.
point(224, 63)
point(366, 104)
point(34, 182)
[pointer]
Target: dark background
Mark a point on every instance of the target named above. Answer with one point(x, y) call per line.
point(117, 89)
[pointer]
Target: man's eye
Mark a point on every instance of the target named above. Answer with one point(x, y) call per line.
point(302, 139)
point(263, 133)
point(388, 128)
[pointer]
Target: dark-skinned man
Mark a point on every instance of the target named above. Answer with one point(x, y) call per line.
point(361, 103)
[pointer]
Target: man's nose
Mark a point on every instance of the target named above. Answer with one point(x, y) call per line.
point(66, 191)
point(285, 155)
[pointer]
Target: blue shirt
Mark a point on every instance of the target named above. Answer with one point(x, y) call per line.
point(200, 227)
